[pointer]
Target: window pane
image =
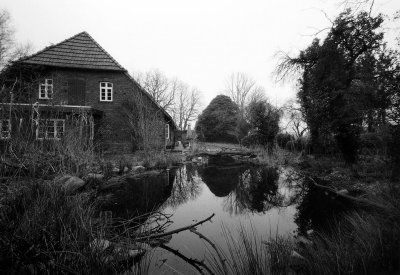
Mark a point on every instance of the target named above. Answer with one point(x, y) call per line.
point(49, 81)
point(4, 125)
point(41, 129)
point(50, 129)
point(50, 92)
point(109, 84)
point(60, 128)
point(102, 84)
point(42, 91)
point(60, 123)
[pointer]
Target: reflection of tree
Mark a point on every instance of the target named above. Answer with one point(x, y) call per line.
point(139, 195)
point(256, 191)
point(221, 180)
point(185, 187)
point(317, 208)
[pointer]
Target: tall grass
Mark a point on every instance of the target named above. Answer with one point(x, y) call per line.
point(44, 231)
point(250, 254)
point(359, 242)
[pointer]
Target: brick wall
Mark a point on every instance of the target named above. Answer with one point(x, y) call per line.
point(114, 130)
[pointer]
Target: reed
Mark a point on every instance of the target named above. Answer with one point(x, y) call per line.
point(45, 231)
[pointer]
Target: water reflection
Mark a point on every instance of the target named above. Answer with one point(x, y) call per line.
point(186, 186)
point(221, 180)
point(245, 189)
point(138, 195)
point(274, 197)
point(317, 208)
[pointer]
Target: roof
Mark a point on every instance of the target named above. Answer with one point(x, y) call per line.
point(79, 51)
point(82, 51)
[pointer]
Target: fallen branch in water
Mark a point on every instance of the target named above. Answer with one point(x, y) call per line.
point(131, 226)
point(351, 198)
point(193, 230)
point(160, 235)
point(193, 262)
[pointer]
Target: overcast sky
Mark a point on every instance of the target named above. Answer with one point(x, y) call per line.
point(199, 42)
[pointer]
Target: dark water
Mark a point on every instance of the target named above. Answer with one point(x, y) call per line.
point(266, 200)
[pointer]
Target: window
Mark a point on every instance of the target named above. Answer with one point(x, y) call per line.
point(167, 131)
point(50, 129)
point(46, 89)
point(5, 128)
point(106, 91)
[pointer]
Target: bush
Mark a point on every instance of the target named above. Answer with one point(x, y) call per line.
point(219, 120)
point(264, 122)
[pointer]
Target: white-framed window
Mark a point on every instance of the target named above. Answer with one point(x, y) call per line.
point(5, 128)
point(167, 133)
point(106, 91)
point(50, 129)
point(46, 89)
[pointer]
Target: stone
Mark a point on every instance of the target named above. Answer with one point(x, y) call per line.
point(138, 169)
point(126, 169)
point(343, 192)
point(73, 184)
point(115, 170)
point(61, 180)
point(99, 244)
point(95, 176)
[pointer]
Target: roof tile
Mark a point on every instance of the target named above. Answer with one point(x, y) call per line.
point(79, 51)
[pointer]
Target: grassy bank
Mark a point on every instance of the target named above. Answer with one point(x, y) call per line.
point(44, 230)
point(362, 240)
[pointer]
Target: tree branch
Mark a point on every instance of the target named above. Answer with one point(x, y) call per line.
point(160, 235)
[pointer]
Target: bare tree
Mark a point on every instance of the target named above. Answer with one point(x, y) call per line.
point(9, 49)
point(161, 88)
point(239, 86)
point(175, 96)
point(258, 94)
point(6, 37)
point(187, 106)
point(296, 122)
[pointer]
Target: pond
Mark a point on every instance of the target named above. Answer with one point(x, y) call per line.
point(267, 201)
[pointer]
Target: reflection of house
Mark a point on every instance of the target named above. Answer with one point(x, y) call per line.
point(74, 85)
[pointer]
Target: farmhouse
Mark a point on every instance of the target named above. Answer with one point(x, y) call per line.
point(75, 90)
